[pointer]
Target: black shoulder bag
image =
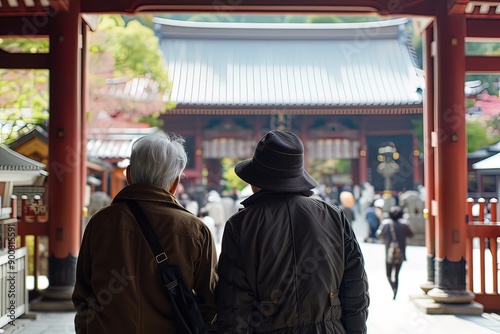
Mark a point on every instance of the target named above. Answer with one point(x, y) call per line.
point(394, 253)
point(187, 315)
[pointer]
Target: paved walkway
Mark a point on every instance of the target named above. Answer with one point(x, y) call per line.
point(386, 316)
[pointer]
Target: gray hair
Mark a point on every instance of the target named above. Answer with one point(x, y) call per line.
point(158, 159)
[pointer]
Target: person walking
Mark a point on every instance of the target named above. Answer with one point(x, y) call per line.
point(118, 285)
point(373, 221)
point(347, 203)
point(394, 229)
point(290, 263)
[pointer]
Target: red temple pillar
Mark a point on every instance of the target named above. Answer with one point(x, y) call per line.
point(363, 158)
point(451, 158)
point(417, 170)
point(65, 163)
point(428, 127)
point(303, 136)
point(214, 174)
point(198, 151)
point(83, 113)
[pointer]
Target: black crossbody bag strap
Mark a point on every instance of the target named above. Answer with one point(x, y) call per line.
point(147, 231)
point(187, 315)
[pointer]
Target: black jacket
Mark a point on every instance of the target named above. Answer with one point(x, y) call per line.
point(290, 264)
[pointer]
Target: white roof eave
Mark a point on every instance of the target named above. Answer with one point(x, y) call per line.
point(492, 162)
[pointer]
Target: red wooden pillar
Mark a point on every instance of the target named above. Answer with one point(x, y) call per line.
point(104, 185)
point(83, 121)
point(451, 158)
point(65, 151)
point(430, 234)
point(303, 136)
point(363, 158)
point(214, 175)
point(417, 170)
point(198, 151)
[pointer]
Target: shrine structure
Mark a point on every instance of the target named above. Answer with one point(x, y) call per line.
point(332, 84)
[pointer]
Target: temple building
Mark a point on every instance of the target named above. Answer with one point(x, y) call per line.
point(347, 89)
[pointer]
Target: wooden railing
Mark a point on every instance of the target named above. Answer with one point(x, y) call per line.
point(483, 231)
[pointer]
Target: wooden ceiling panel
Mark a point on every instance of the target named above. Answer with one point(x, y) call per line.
point(24, 27)
point(32, 7)
point(479, 30)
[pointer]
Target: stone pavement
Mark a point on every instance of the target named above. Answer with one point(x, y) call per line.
point(386, 316)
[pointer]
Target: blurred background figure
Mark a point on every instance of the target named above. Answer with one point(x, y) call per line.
point(189, 204)
point(367, 196)
point(347, 203)
point(98, 200)
point(228, 203)
point(373, 220)
point(216, 210)
point(401, 230)
point(209, 221)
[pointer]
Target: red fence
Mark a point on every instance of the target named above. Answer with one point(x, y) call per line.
point(483, 231)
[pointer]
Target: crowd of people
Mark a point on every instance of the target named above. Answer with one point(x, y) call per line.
point(214, 209)
point(289, 261)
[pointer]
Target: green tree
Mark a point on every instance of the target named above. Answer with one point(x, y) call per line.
point(418, 131)
point(232, 180)
point(477, 136)
point(133, 46)
point(28, 45)
point(119, 48)
point(123, 49)
point(23, 93)
point(494, 125)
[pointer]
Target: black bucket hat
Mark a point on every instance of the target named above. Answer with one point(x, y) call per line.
point(277, 164)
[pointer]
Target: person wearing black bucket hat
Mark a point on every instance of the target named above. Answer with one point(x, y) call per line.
point(289, 263)
point(277, 164)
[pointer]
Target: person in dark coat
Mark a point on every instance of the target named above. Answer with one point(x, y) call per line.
point(290, 263)
point(373, 223)
point(402, 231)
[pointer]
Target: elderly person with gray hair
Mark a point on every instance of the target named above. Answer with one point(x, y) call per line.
point(118, 284)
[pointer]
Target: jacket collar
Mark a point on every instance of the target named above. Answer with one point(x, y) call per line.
point(145, 192)
point(264, 194)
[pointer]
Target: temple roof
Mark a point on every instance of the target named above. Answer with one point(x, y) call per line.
point(338, 67)
point(102, 143)
point(37, 132)
point(492, 162)
point(17, 168)
point(485, 152)
point(114, 143)
point(12, 161)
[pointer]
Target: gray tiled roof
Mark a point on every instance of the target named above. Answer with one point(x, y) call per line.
point(114, 143)
point(492, 162)
point(485, 152)
point(18, 169)
point(10, 160)
point(290, 65)
point(136, 89)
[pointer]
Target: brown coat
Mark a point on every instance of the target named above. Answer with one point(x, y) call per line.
point(118, 286)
